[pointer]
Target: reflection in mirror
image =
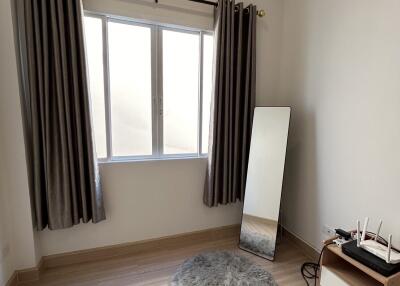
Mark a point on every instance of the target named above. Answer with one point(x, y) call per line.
point(264, 180)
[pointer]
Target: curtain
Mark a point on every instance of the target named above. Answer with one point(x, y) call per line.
point(233, 102)
point(62, 166)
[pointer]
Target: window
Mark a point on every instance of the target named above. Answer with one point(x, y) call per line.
point(150, 89)
point(130, 89)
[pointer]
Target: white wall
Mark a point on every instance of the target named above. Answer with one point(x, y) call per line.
point(16, 221)
point(158, 198)
point(145, 200)
point(341, 73)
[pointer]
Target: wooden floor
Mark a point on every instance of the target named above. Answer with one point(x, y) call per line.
point(157, 267)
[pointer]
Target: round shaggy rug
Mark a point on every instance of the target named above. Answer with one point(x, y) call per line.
point(258, 243)
point(222, 269)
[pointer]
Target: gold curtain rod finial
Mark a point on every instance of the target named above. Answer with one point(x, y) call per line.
point(261, 13)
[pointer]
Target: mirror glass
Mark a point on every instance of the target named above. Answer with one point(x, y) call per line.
point(264, 180)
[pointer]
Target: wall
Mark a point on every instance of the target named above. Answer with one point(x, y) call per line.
point(17, 235)
point(158, 198)
point(145, 200)
point(340, 72)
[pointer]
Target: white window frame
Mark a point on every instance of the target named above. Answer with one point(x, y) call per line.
point(156, 88)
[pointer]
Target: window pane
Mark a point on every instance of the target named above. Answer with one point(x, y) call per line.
point(208, 50)
point(94, 48)
point(181, 92)
point(130, 86)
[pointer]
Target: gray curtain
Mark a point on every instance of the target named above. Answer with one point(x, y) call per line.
point(62, 167)
point(232, 104)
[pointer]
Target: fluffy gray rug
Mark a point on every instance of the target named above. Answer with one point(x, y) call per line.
point(221, 269)
point(258, 243)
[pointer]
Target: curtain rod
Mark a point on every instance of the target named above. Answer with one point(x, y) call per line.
point(260, 13)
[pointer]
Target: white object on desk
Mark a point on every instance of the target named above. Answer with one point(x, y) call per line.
point(381, 251)
point(373, 246)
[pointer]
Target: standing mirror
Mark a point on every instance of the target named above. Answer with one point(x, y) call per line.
point(264, 181)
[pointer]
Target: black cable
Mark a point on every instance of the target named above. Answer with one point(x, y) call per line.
point(383, 241)
point(310, 270)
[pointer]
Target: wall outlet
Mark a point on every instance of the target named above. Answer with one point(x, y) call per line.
point(328, 230)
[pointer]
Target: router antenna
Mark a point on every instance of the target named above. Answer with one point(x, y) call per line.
point(358, 233)
point(379, 229)
point(365, 229)
point(389, 248)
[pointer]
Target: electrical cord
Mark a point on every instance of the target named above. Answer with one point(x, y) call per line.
point(310, 270)
point(382, 240)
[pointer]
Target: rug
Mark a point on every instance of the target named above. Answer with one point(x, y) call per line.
point(221, 269)
point(258, 243)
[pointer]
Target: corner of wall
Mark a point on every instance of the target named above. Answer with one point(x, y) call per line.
point(13, 149)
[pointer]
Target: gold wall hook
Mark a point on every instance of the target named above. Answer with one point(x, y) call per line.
point(261, 13)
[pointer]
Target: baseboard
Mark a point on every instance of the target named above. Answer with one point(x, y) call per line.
point(169, 242)
point(13, 281)
point(26, 275)
point(307, 249)
point(30, 274)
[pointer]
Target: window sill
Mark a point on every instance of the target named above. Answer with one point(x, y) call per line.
point(149, 159)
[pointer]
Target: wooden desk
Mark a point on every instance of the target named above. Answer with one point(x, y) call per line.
point(335, 263)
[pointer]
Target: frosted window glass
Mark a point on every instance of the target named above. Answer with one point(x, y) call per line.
point(208, 50)
point(181, 92)
point(130, 87)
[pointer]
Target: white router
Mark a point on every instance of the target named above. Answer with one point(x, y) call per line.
point(373, 246)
